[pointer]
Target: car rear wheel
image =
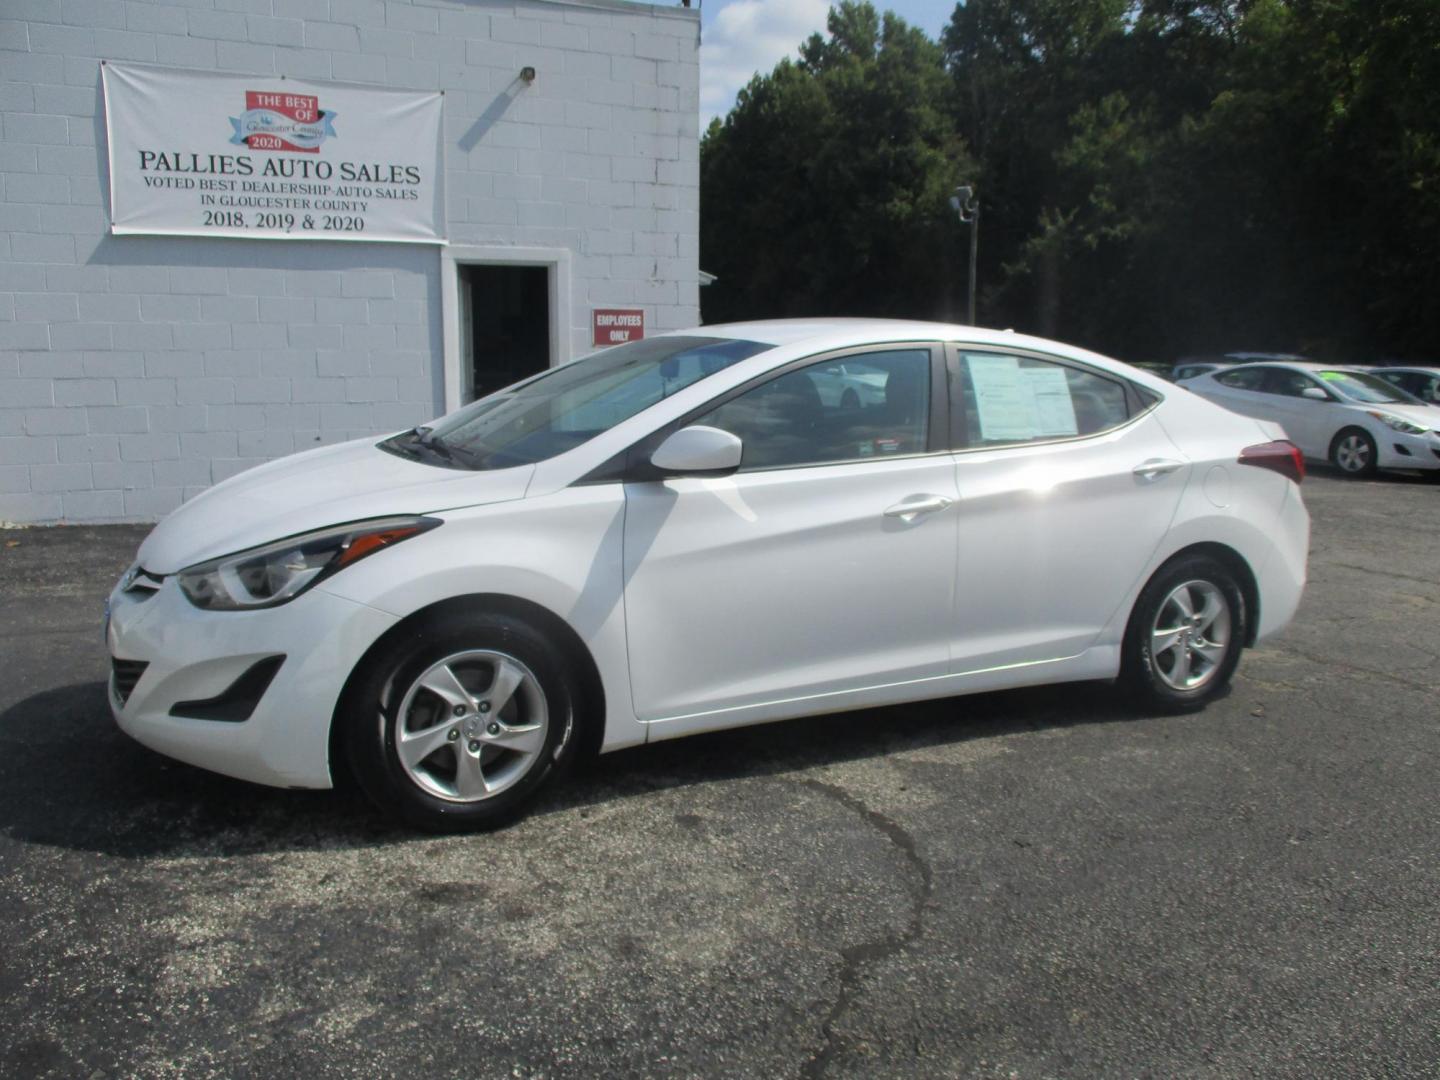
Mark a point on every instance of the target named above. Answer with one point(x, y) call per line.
point(1353, 452)
point(1185, 635)
point(458, 726)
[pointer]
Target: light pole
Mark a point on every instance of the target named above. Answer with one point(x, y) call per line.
point(963, 203)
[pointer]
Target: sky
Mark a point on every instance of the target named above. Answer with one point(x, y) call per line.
point(741, 37)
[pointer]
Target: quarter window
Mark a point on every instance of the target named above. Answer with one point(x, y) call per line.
point(1018, 399)
point(862, 407)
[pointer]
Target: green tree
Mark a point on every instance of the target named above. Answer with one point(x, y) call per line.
point(1155, 176)
point(825, 189)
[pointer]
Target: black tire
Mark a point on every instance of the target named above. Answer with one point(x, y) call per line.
point(1354, 453)
point(1149, 675)
point(372, 720)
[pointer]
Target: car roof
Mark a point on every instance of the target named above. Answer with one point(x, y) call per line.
point(1268, 357)
point(1408, 369)
point(799, 331)
point(1300, 365)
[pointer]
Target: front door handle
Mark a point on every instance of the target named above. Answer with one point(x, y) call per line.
point(1156, 467)
point(909, 510)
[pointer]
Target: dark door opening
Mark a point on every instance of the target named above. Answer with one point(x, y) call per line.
point(506, 311)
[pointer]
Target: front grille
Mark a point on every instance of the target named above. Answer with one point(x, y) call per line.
point(124, 674)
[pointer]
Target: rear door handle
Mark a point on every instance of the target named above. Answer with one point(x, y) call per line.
point(1156, 467)
point(912, 508)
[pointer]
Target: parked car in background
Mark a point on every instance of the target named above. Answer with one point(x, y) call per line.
point(1353, 419)
point(1188, 367)
point(1422, 382)
point(852, 384)
point(680, 535)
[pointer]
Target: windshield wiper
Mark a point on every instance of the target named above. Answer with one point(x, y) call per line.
point(426, 437)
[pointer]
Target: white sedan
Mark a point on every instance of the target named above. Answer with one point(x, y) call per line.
point(680, 535)
point(1353, 419)
point(1422, 382)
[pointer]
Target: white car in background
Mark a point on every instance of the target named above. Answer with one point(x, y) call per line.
point(852, 384)
point(680, 535)
point(1353, 419)
point(1188, 367)
point(1422, 382)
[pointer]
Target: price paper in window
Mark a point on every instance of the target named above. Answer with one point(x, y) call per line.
point(1017, 403)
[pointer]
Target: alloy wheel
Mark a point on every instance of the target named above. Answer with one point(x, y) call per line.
point(1352, 453)
point(471, 725)
point(1191, 635)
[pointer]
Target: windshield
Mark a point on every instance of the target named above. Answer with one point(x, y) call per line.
point(569, 405)
point(1366, 389)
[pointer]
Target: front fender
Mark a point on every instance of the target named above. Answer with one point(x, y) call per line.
point(562, 552)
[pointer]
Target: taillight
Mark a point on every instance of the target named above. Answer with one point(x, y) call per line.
point(1279, 456)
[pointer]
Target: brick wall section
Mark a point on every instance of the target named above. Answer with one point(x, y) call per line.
point(136, 371)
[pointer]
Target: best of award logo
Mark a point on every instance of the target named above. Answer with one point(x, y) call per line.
point(282, 122)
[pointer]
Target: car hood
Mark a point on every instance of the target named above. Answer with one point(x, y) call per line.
point(312, 490)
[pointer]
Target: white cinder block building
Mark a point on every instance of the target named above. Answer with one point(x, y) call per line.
point(136, 370)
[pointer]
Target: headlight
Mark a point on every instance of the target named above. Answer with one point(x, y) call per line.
point(1399, 423)
point(276, 573)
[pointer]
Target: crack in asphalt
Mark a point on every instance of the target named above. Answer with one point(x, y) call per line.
point(1385, 573)
point(857, 958)
point(1355, 669)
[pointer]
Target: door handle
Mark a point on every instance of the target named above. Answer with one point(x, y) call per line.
point(909, 510)
point(1156, 467)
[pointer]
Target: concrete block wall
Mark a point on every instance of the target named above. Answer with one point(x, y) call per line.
point(136, 371)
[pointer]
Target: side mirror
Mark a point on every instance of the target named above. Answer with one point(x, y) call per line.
point(1314, 393)
point(698, 450)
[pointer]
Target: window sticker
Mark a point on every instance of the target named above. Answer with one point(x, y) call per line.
point(1016, 403)
point(1054, 408)
point(1004, 406)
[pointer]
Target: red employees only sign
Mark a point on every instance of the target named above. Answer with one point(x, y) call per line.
point(616, 326)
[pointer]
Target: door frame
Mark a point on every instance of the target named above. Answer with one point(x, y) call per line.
point(454, 257)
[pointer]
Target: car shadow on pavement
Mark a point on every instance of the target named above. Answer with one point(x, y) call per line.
point(69, 778)
point(1398, 479)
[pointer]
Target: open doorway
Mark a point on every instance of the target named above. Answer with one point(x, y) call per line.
point(506, 323)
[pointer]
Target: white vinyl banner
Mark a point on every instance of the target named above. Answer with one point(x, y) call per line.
point(201, 154)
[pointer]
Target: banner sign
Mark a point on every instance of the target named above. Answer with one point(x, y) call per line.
point(616, 326)
point(203, 154)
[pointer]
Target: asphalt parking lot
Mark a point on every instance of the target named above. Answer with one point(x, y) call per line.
point(1028, 884)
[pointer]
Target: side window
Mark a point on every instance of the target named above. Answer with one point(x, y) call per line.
point(1289, 383)
point(1018, 399)
point(1243, 378)
point(867, 406)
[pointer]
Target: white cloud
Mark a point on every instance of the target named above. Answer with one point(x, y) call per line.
point(749, 36)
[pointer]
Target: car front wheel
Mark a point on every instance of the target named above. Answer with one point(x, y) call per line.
point(458, 726)
point(1353, 452)
point(1185, 635)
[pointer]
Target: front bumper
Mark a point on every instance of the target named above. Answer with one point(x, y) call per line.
point(1401, 451)
point(192, 655)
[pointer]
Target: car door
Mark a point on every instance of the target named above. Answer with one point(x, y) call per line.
point(1309, 422)
point(826, 564)
point(1067, 486)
